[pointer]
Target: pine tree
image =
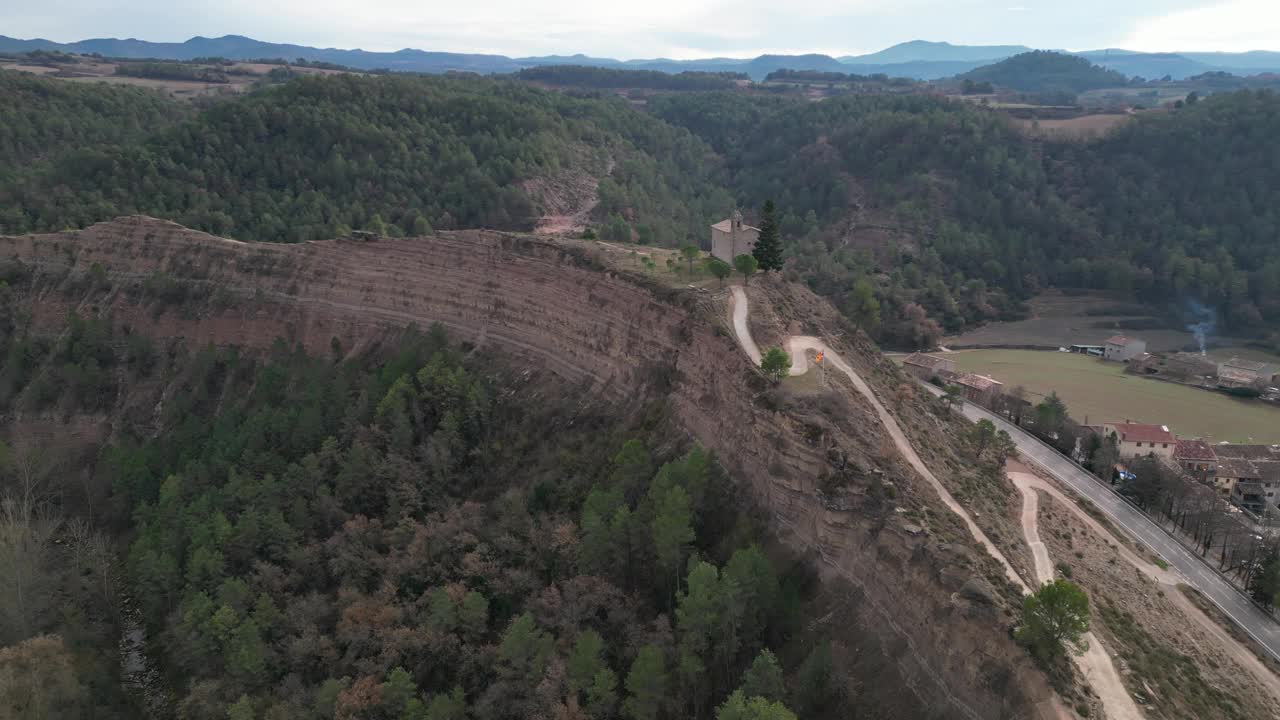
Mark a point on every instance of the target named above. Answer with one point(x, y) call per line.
point(647, 683)
point(1265, 581)
point(768, 250)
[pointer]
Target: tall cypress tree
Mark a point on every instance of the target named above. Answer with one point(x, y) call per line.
point(768, 250)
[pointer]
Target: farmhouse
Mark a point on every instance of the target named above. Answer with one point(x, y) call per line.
point(1196, 457)
point(926, 367)
point(1121, 349)
point(978, 388)
point(1182, 366)
point(731, 238)
point(1237, 373)
point(1139, 440)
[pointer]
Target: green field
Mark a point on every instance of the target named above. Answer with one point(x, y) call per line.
point(1097, 391)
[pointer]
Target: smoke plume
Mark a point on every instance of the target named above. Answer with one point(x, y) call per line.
point(1203, 322)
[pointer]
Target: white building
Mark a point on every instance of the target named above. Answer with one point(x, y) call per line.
point(1121, 349)
point(1140, 440)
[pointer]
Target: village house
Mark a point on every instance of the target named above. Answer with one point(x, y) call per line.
point(926, 367)
point(979, 389)
point(731, 238)
point(1197, 458)
point(1140, 440)
point(1237, 373)
point(1121, 349)
point(1249, 474)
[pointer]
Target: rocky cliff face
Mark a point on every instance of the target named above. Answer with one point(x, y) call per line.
point(818, 465)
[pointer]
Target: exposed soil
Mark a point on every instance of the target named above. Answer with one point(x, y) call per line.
point(567, 198)
point(938, 607)
point(1095, 663)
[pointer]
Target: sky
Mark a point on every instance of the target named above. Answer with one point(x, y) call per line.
point(664, 28)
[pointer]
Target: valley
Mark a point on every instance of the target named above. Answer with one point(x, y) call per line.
point(461, 386)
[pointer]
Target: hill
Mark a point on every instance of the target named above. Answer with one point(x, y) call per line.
point(1147, 65)
point(925, 51)
point(86, 116)
point(326, 507)
point(967, 219)
point(323, 154)
point(237, 47)
point(1046, 72)
point(917, 59)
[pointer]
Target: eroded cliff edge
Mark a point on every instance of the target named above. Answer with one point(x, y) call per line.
point(931, 600)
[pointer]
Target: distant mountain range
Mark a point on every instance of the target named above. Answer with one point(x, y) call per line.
point(916, 59)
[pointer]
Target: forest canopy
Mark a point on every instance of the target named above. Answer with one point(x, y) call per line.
point(975, 217)
point(320, 155)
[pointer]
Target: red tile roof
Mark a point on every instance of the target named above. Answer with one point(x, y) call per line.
point(924, 361)
point(1119, 340)
point(1198, 450)
point(980, 383)
point(1246, 365)
point(1138, 432)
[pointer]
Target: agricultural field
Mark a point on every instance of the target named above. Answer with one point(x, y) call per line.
point(1096, 391)
point(1059, 319)
point(240, 76)
point(1076, 128)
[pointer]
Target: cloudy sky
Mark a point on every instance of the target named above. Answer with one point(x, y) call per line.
point(668, 28)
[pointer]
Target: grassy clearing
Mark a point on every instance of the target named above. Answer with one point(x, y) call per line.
point(1097, 391)
point(1077, 128)
point(1058, 319)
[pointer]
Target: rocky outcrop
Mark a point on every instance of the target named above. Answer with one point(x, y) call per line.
point(609, 335)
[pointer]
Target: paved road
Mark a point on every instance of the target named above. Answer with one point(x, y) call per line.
point(1222, 593)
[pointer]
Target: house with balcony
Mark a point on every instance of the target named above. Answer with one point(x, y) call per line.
point(1249, 475)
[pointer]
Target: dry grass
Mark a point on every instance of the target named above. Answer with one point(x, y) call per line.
point(1058, 319)
point(1166, 658)
point(1078, 128)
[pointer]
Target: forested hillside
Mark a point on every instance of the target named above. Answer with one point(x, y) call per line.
point(321, 155)
point(1174, 206)
point(1043, 71)
point(973, 217)
point(41, 119)
point(404, 533)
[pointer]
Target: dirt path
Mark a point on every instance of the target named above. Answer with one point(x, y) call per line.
point(1095, 663)
point(797, 346)
point(1029, 483)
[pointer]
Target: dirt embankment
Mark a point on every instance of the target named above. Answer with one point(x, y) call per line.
point(936, 605)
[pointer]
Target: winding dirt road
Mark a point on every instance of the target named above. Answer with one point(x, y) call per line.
point(798, 346)
point(1095, 664)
